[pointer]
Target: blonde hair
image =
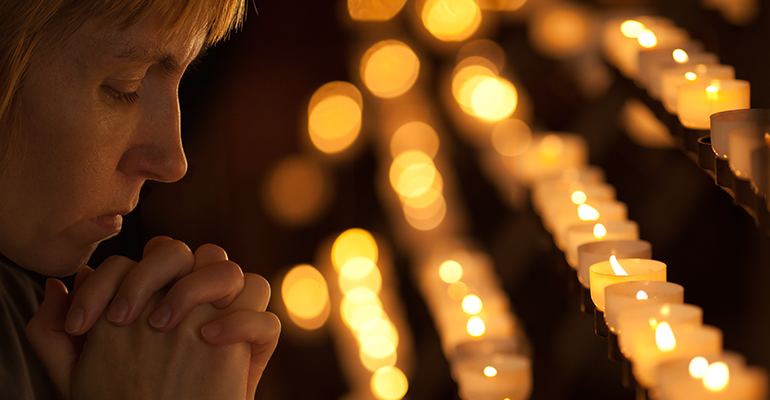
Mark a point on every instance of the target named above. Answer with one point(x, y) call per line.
point(29, 26)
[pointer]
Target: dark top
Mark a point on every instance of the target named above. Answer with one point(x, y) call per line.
point(22, 376)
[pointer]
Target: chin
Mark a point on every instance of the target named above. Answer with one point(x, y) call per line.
point(61, 262)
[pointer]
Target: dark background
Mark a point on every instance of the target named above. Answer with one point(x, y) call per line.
point(243, 112)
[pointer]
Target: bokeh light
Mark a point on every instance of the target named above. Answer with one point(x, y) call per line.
point(511, 137)
point(360, 272)
point(412, 173)
point(472, 304)
point(428, 218)
point(560, 31)
point(493, 99)
point(389, 68)
point(334, 116)
point(457, 291)
point(389, 383)
point(415, 135)
point(297, 191)
point(475, 327)
point(374, 10)
point(306, 296)
point(352, 243)
point(450, 271)
point(451, 20)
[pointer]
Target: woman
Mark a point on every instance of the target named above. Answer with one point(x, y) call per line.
point(88, 113)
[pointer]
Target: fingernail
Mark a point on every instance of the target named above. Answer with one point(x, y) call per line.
point(74, 320)
point(118, 311)
point(160, 317)
point(211, 330)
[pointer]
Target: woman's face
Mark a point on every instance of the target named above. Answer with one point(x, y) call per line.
point(99, 116)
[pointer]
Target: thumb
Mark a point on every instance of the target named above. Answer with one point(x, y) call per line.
point(51, 342)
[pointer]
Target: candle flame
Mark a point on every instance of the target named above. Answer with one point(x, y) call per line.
point(587, 213)
point(665, 310)
point(600, 231)
point(490, 371)
point(653, 323)
point(680, 56)
point(631, 28)
point(476, 327)
point(698, 367)
point(641, 295)
point(647, 39)
point(712, 91)
point(578, 197)
point(664, 337)
point(616, 268)
point(472, 304)
point(716, 377)
point(691, 76)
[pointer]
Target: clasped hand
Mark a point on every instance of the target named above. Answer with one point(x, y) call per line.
point(179, 325)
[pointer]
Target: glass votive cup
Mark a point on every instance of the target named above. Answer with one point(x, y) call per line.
point(641, 320)
point(495, 376)
point(586, 232)
point(594, 252)
point(725, 122)
point(627, 295)
point(697, 101)
point(602, 274)
point(671, 78)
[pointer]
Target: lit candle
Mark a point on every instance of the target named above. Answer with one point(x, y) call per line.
point(672, 78)
point(650, 60)
point(498, 376)
point(623, 296)
point(581, 194)
point(697, 101)
point(549, 155)
point(600, 211)
point(655, 82)
point(594, 252)
point(724, 376)
point(587, 232)
point(565, 184)
point(605, 273)
point(642, 320)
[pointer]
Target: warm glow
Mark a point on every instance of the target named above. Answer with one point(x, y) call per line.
point(374, 10)
point(511, 137)
point(587, 213)
point(427, 218)
point(578, 197)
point(361, 295)
point(551, 147)
point(412, 173)
point(379, 327)
point(664, 337)
point(653, 323)
point(389, 68)
point(364, 314)
point(377, 346)
point(494, 99)
point(641, 295)
point(457, 291)
point(712, 91)
point(680, 56)
point(469, 73)
point(353, 243)
point(490, 371)
point(389, 383)
point(298, 190)
point(357, 268)
point(451, 20)
point(350, 305)
point(360, 272)
point(665, 310)
point(647, 39)
point(306, 296)
point(600, 231)
point(616, 267)
point(450, 271)
point(472, 304)
point(476, 327)
point(698, 367)
point(414, 135)
point(690, 76)
point(717, 376)
point(426, 204)
point(631, 28)
point(334, 116)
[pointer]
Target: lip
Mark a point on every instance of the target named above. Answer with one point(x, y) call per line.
point(109, 222)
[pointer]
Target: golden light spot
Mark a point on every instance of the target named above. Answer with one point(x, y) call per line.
point(665, 310)
point(470, 68)
point(349, 306)
point(698, 367)
point(415, 135)
point(494, 99)
point(372, 363)
point(334, 116)
point(641, 295)
point(475, 327)
point(717, 377)
point(578, 197)
point(587, 213)
point(450, 271)
point(561, 32)
point(653, 323)
point(457, 291)
point(379, 327)
point(412, 173)
point(374, 10)
point(306, 296)
point(428, 218)
point(600, 231)
point(389, 383)
point(664, 337)
point(359, 272)
point(389, 68)
point(631, 28)
point(551, 146)
point(364, 314)
point(430, 199)
point(361, 295)
point(680, 56)
point(490, 371)
point(511, 137)
point(647, 39)
point(352, 243)
point(297, 191)
point(377, 346)
point(690, 76)
point(616, 267)
point(712, 91)
point(451, 20)
point(472, 304)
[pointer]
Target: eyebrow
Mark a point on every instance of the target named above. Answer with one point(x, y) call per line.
point(152, 55)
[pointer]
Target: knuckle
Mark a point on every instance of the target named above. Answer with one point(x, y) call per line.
point(212, 250)
point(176, 248)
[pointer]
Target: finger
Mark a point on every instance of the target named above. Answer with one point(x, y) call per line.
point(168, 262)
point(95, 293)
point(219, 282)
point(208, 254)
point(81, 277)
point(255, 294)
point(261, 329)
point(153, 244)
point(51, 343)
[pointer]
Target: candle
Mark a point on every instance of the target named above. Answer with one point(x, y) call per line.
point(605, 273)
point(600, 211)
point(587, 232)
point(724, 376)
point(623, 296)
point(594, 252)
point(549, 155)
point(698, 100)
point(738, 133)
point(569, 200)
point(499, 376)
point(564, 186)
point(651, 59)
point(641, 321)
point(655, 83)
point(672, 78)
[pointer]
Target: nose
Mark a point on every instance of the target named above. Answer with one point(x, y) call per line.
point(156, 152)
